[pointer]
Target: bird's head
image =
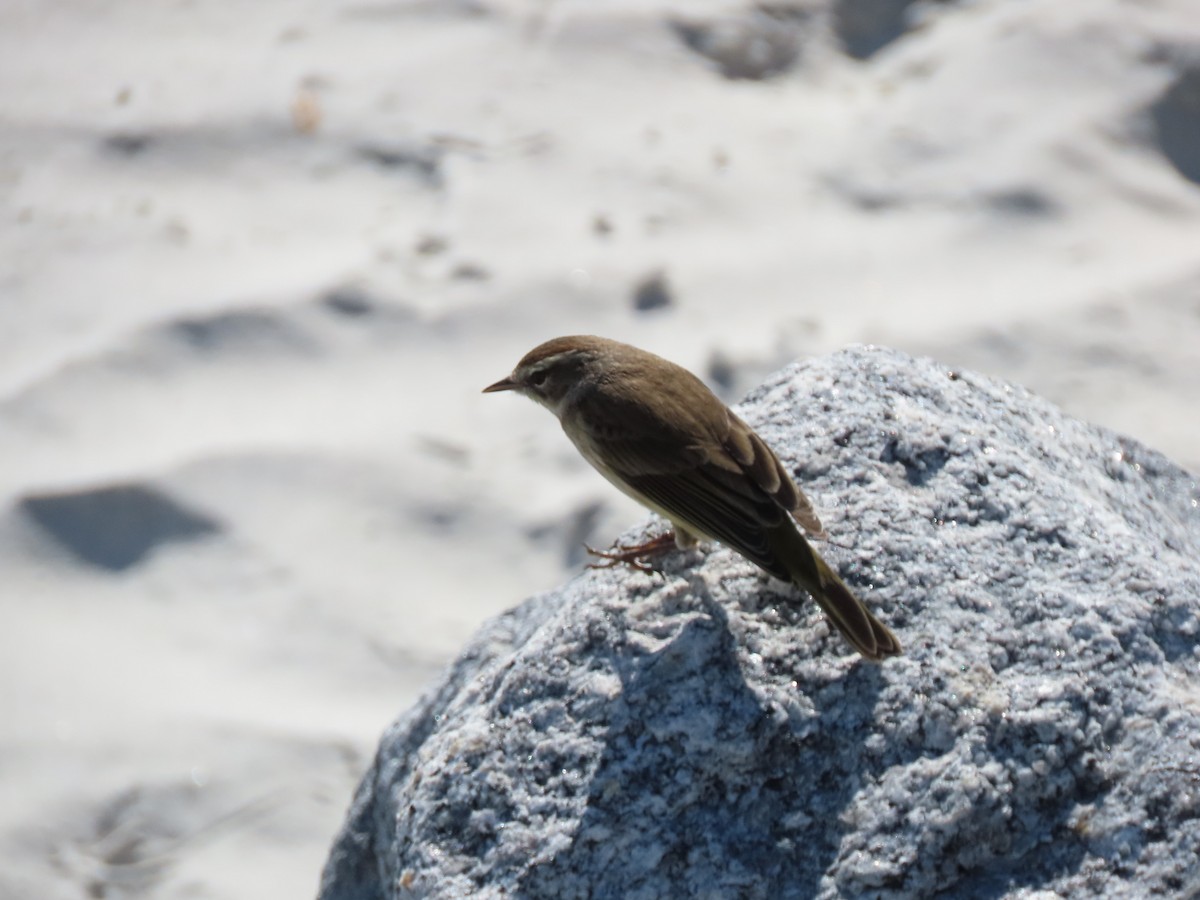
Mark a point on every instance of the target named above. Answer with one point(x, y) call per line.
point(550, 371)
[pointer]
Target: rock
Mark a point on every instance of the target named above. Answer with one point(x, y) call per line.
point(421, 161)
point(238, 332)
point(115, 526)
point(653, 292)
point(865, 27)
point(704, 733)
point(1176, 117)
point(754, 45)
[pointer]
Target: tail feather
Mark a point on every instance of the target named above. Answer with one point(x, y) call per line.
point(870, 637)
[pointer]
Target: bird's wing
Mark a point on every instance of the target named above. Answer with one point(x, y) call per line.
point(732, 489)
point(702, 504)
point(759, 464)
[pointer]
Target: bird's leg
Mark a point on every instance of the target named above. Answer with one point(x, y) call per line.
point(632, 556)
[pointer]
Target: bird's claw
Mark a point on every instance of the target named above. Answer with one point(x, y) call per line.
point(634, 556)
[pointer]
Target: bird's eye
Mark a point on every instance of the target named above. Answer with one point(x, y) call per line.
point(537, 379)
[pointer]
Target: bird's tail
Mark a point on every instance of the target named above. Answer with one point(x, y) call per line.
point(866, 634)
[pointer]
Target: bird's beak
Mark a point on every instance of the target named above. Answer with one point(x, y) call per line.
point(504, 384)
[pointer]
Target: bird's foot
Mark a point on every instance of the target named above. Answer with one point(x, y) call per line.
point(634, 556)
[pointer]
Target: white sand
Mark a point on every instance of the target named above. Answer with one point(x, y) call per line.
point(987, 189)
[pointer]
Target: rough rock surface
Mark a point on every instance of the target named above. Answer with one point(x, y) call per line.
point(704, 734)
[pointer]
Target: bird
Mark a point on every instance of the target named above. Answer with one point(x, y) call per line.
point(657, 433)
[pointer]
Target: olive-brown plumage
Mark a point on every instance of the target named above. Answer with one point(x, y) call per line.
point(660, 435)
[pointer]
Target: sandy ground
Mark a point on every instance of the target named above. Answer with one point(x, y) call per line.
point(259, 259)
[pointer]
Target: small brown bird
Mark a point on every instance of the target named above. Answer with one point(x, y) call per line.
point(656, 432)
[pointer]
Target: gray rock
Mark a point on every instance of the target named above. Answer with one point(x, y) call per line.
point(755, 44)
point(115, 526)
point(704, 733)
point(1176, 117)
point(867, 26)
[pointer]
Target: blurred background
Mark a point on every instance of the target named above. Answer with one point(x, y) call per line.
point(260, 258)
